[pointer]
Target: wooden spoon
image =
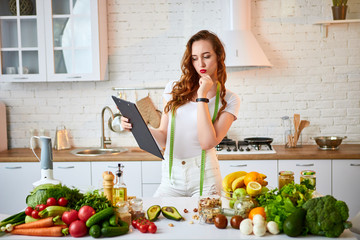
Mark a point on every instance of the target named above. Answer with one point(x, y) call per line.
point(296, 124)
point(303, 124)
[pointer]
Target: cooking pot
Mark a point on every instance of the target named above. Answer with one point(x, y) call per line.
point(328, 142)
point(258, 141)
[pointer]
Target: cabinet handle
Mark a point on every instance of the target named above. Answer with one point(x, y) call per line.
point(21, 78)
point(17, 167)
point(68, 167)
point(239, 165)
point(112, 166)
point(74, 77)
point(355, 164)
point(305, 165)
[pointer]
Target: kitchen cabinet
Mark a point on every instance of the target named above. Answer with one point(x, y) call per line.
point(151, 177)
point(321, 167)
point(267, 167)
point(345, 180)
point(73, 174)
point(16, 183)
point(56, 41)
point(132, 175)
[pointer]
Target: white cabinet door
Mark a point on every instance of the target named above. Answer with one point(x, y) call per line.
point(132, 175)
point(151, 177)
point(73, 174)
point(346, 177)
point(321, 167)
point(16, 183)
point(267, 167)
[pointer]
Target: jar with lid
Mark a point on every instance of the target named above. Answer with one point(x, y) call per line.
point(308, 178)
point(209, 207)
point(123, 211)
point(285, 177)
point(136, 208)
point(243, 205)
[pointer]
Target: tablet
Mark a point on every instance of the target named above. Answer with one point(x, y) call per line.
point(139, 129)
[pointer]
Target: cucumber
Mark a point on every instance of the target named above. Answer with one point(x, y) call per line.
point(95, 231)
point(113, 220)
point(114, 231)
point(100, 216)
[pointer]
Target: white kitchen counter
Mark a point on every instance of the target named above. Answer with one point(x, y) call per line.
point(183, 229)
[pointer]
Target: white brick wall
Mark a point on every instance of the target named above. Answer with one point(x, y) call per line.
point(315, 76)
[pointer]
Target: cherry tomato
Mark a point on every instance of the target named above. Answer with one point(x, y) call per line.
point(62, 201)
point(134, 223)
point(37, 207)
point(51, 202)
point(41, 207)
point(28, 211)
point(152, 228)
point(143, 228)
point(35, 214)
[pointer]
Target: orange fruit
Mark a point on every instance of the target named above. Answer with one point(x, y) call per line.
point(257, 210)
point(252, 177)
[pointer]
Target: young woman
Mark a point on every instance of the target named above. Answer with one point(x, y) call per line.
point(198, 113)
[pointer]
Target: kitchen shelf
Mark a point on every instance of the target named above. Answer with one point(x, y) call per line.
point(325, 24)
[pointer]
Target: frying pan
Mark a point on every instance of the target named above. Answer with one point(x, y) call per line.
point(258, 141)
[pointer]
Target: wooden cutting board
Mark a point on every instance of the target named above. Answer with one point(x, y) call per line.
point(3, 128)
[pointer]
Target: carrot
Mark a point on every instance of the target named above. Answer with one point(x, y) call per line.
point(46, 222)
point(56, 231)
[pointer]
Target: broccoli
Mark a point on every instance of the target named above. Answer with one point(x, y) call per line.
point(326, 216)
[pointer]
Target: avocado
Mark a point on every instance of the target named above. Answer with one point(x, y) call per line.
point(153, 212)
point(294, 224)
point(171, 213)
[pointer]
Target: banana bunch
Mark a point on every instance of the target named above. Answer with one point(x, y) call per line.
point(235, 179)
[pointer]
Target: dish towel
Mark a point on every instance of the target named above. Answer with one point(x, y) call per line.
point(149, 112)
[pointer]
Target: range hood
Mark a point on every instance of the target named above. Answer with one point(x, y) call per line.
point(242, 48)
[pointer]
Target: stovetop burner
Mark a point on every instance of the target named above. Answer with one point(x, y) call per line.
point(247, 146)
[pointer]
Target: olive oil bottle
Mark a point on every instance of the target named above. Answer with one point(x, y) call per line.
point(120, 189)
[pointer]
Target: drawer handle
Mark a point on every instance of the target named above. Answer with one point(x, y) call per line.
point(355, 164)
point(112, 166)
point(18, 167)
point(239, 165)
point(68, 167)
point(71, 77)
point(305, 165)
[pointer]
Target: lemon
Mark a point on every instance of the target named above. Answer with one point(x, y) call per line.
point(253, 188)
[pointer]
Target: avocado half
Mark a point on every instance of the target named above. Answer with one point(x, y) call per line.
point(171, 213)
point(153, 212)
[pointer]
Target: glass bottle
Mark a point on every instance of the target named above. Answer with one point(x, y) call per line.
point(120, 189)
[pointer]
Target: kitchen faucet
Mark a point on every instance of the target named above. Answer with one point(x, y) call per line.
point(105, 141)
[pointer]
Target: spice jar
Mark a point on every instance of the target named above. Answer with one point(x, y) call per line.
point(308, 178)
point(285, 177)
point(209, 207)
point(136, 208)
point(243, 206)
point(123, 211)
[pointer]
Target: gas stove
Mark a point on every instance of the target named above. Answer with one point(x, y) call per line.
point(229, 146)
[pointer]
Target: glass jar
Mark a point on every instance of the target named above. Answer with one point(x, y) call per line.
point(136, 208)
point(243, 205)
point(123, 211)
point(308, 178)
point(285, 177)
point(209, 207)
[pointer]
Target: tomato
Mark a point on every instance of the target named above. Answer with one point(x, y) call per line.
point(41, 207)
point(143, 228)
point(134, 223)
point(28, 211)
point(85, 212)
point(70, 216)
point(51, 202)
point(152, 228)
point(62, 201)
point(35, 214)
point(37, 207)
point(78, 229)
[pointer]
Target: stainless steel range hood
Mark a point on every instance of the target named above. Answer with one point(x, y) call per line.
point(242, 48)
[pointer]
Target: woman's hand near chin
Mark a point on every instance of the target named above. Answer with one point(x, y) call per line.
point(125, 124)
point(205, 84)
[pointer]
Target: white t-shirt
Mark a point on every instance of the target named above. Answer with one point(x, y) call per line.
point(186, 142)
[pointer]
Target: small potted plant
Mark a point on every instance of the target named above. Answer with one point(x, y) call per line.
point(339, 9)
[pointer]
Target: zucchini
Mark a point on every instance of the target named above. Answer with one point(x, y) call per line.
point(115, 231)
point(100, 216)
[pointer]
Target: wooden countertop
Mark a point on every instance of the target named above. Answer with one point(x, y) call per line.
point(346, 151)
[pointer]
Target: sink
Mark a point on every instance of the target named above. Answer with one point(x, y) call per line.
point(97, 151)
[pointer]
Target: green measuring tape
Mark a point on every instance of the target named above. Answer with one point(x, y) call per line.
point(203, 152)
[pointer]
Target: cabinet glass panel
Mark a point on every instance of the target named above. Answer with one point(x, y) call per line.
point(82, 28)
point(5, 8)
point(30, 60)
point(61, 7)
point(60, 66)
point(83, 60)
point(9, 33)
point(59, 26)
point(28, 33)
point(10, 62)
point(81, 6)
point(27, 7)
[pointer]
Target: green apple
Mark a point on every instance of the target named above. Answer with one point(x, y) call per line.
point(239, 192)
point(231, 203)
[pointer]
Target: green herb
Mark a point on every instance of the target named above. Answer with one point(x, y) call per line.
point(94, 199)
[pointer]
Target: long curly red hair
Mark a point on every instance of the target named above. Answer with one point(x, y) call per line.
point(185, 89)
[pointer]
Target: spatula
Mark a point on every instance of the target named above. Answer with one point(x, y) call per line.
point(296, 124)
point(303, 124)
